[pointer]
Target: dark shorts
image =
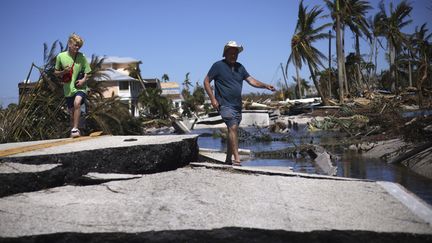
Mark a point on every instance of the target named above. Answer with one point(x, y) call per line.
point(231, 116)
point(70, 100)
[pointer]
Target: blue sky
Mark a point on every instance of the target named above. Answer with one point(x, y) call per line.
point(168, 36)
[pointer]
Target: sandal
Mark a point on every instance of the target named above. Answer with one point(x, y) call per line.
point(236, 163)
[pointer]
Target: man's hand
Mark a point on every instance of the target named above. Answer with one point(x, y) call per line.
point(270, 87)
point(215, 104)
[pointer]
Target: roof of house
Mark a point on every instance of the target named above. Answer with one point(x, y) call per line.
point(115, 59)
point(174, 97)
point(169, 85)
point(151, 80)
point(114, 75)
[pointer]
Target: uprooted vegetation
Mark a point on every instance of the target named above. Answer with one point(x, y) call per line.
point(383, 117)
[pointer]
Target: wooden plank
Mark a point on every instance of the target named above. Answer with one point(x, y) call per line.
point(22, 149)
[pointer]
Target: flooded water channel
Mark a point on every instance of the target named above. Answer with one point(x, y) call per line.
point(349, 164)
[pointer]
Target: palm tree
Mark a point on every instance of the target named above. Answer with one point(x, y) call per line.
point(135, 72)
point(156, 106)
point(328, 75)
point(422, 49)
point(359, 27)
point(304, 86)
point(376, 30)
point(391, 29)
point(302, 50)
point(349, 13)
point(187, 83)
point(193, 102)
point(354, 65)
point(337, 14)
point(109, 115)
point(165, 77)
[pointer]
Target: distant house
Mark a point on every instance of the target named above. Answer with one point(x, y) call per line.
point(152, 83)
point(171, 90)
point(121, 64)
point(117, 81)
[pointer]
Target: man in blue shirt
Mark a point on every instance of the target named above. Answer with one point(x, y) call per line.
point(228, 75)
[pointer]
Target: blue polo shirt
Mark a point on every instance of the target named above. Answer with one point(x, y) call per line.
point(228, 83)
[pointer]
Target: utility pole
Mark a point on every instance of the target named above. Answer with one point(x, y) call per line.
point(329, 68)
point(284, 75)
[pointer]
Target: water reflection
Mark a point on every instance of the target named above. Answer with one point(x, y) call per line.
point(350, 164)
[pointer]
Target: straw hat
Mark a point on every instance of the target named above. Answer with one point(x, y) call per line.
point(232, 44)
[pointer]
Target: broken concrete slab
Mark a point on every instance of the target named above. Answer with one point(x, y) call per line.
point(229, 234)
point(110, 176)
point(102, 142)
point(10, 167)
point(384, 147)
point(270, 170)
point(31, 180)
point(322, 160)
point(106, 154)
point(265, 170)
point(94, 178)
point(202, 199)
point(421, 162)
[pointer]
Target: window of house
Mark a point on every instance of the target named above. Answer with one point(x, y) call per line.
point(124, 85)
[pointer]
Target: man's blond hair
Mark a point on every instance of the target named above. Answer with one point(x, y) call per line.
point(76, 39)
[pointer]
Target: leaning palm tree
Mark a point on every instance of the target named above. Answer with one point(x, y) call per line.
point(391, 27)
point(302, 50)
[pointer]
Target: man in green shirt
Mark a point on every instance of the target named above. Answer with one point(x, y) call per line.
point(73, 68)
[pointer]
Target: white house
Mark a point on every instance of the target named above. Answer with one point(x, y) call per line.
point(171, 90)
point(117, 81)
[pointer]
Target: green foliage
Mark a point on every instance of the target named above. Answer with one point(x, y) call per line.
point(109, 115)
point(155, 105)
point(192, 103)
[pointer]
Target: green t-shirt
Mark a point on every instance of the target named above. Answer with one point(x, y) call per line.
point(63, 60)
